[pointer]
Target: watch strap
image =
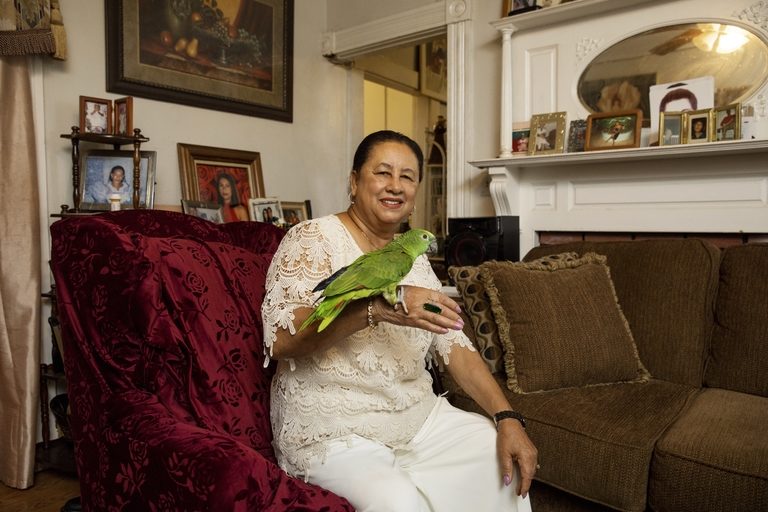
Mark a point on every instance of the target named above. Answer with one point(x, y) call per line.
point(505, 415)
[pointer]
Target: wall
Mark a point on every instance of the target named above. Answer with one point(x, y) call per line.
point(301, 160)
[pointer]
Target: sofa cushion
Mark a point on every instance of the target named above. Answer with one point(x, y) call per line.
point(560, 324)
point(739, 354)
point(595, 442)
point(714, 457)
point(666, 289)
point(477, 307)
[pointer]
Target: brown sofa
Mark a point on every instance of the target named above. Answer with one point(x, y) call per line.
point(691, 437)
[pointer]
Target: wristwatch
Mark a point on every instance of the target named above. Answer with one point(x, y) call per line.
point(503, 415)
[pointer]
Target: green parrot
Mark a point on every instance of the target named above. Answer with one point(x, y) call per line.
point(375, 273)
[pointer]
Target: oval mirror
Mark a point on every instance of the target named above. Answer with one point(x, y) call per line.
point(619, 78)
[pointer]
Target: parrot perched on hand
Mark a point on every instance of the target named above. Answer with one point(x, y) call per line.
point(375, 273)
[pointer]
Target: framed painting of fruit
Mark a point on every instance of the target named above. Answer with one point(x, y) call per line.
point(230, 55)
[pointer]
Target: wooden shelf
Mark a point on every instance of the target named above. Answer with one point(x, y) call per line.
point(107, 138)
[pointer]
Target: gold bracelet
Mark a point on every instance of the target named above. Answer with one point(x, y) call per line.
point(371, 323)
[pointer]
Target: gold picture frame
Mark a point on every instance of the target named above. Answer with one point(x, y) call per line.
point(670, 128)
point(698, 126)
point(547, 134)
point(201, 168)
point(727, 122)
point(614, 130)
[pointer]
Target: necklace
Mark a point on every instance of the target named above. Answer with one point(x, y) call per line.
point(360, 229)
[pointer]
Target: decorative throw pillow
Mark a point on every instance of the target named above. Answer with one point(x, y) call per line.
point(478, 307)
point(560, 324)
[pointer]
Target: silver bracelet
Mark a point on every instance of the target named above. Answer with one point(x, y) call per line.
point(371, 323)
point(401, 298)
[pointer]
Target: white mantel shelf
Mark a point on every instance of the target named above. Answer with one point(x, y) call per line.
point(563, 12)
point(723, 148)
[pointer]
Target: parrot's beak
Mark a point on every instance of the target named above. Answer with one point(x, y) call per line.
point(432, 249)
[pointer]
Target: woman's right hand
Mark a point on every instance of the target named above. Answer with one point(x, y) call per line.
point(423, 308)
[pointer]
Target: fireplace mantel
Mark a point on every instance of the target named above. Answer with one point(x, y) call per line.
point(716, 187)
point(719, 187)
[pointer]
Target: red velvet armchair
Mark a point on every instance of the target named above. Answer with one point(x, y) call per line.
point(161, 325)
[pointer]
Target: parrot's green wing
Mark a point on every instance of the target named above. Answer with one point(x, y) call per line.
point(371, 274)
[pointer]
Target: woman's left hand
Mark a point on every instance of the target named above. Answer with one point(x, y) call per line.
point(514, 446)
point(423, 308)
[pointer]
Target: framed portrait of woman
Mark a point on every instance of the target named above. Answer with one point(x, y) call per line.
point(698, 126)
point(104, 173)
point(227, 177)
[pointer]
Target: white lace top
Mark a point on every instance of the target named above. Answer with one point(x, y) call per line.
point(373, 384)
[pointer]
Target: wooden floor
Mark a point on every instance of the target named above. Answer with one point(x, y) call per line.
point(51, 490)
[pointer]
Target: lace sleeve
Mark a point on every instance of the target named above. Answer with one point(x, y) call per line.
point(303, 259)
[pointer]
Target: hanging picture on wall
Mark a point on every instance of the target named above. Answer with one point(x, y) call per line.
point(614, 130)
point(433, 70)
point(547, 134)
point(235, 56)
point(227, 177)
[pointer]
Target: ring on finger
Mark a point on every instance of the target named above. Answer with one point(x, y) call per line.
point(432, 308)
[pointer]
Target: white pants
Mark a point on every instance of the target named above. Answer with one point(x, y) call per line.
point(450, 465)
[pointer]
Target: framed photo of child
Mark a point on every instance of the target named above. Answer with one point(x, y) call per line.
point(95, 115)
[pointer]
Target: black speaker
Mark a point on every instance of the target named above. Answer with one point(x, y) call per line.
point(472, 241)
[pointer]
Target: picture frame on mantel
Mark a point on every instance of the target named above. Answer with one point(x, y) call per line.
point(614, 130)
point(163, 51)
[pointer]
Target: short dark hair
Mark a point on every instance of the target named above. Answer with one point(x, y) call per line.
point(370, 141)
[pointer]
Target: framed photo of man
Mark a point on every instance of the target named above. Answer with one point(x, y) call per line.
point(95, 115)
point(105, 173)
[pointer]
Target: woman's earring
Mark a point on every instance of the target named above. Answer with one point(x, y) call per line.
point(351, 198)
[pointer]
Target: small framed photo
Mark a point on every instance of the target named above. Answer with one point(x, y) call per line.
point(295, 212)
point(547, 134)
point(203, 210)
point(520, 134)
point(124, 116)
point(614, 130)
point(433, 69)
point(521, 6)
point(670, 128)
point(577, 136)
point(265, 209)
point(698, 126)
point(104, 173)
point(727, 121)
point(95, 115)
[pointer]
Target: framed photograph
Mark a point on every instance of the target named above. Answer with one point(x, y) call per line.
point(124, 116)
point(265, 209)
point(520, 133)
point(728, 122)
point(670, 128)
point(521, 6)
point(235, 56)
point(226, 177)
point(698, 126)
point(547, 134)
point(693, 94)
point(206, 211)
point(614, 130)
point(577, 136)
point(95, 115)
point(104, 173)
point(295, 212)
point(433, 73)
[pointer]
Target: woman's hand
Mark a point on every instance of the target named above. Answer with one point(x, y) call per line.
point(421, 307)
point(514, 446)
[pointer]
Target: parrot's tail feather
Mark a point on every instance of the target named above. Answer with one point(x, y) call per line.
point(331, 315)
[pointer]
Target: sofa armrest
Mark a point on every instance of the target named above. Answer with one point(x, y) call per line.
point(150, 460)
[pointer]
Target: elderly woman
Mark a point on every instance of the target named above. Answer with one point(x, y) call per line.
point(353, 409)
